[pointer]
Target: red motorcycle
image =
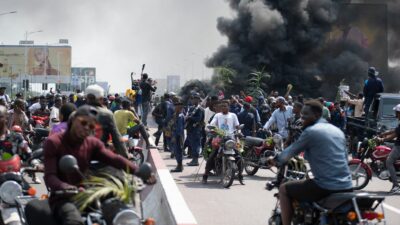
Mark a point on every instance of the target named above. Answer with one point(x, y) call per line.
point(372, 160)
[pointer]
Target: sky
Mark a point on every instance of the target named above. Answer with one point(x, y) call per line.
point(118, 36)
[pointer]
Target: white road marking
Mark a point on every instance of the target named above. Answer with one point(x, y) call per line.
point(391, 208)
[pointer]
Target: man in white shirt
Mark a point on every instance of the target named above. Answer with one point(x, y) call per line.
point(225, 120)
point(228, 122)
point(281, 116)
point(55, 113)
point(358, 105)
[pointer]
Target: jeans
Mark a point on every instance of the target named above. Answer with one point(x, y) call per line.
point(141, 129)
point(145, 112)
point(176, 148)
point(194, 141)
point(68, 214)
point(393, 156)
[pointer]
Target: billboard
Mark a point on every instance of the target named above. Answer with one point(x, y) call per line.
point(40, 64)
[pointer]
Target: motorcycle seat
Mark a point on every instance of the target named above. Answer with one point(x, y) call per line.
point(36, 210)
point(253, 141)
point(336, 200)
point(42, 132)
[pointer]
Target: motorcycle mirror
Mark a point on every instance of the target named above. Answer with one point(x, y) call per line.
point(144, 171)
point(68, 164)
point(241, 126)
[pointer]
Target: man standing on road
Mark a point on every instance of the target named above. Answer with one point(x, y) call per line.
point(147, 89)
point(394, 154)
point(372, 87)
point(281, 117)
point(55, 112)
point(195, 123)
point(4, 96)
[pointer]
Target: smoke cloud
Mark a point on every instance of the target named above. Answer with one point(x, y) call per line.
point(290, 40)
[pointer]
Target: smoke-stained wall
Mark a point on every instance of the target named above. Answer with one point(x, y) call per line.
point(312, 44)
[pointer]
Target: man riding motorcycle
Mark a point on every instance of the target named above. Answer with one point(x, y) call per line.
point(105, 118)
point(325, 149)
point(394, 154)
point(76, 141)
point(228, 122)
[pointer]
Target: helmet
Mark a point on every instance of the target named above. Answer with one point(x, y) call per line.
point(397, 108)
point(131, 94)
point(16, 129)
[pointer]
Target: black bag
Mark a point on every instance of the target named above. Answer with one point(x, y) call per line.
point(158, 111)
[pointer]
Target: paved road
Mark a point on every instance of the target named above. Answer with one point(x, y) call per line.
point(248, 204)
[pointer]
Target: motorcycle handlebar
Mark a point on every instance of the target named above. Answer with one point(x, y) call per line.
point(67, 191)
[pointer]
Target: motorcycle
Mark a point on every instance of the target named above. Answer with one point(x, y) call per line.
point(362, 171)
point(228, 160)
point(40, 121)
point(108, 210)
point(13, 185)
point(346, 208)
point(256, 151)
point(36, 138)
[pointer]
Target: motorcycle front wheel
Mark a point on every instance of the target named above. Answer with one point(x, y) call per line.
point(229, 174)
point(359, 175)
point(249, 159)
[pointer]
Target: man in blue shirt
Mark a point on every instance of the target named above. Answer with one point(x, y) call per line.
point(372, 86)
point(178, 130)
point(324, 146)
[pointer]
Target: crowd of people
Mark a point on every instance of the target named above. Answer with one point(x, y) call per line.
point(72, 121)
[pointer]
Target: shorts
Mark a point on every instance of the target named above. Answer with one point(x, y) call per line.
point(308, 191)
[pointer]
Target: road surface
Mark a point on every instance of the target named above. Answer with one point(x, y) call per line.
point(248, 204)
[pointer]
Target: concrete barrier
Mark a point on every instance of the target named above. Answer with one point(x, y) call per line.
point(163, 201)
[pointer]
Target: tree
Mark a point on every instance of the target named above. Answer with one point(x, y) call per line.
point(255, 82)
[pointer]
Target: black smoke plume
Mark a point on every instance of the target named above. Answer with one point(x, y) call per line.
point(289, 39)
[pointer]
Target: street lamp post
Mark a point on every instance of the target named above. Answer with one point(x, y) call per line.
point(12, 12)
point(27, 33)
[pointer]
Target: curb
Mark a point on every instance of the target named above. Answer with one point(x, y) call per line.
point(163, 201)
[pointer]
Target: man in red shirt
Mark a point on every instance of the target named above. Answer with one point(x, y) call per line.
point(76, 141)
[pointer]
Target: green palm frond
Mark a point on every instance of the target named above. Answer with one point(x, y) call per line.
point(103, 185)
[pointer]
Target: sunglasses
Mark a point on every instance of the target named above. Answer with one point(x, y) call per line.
point(85, 123)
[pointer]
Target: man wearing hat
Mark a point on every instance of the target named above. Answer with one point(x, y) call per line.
point(195, 123)
point(281, 116)
point(395, 153)
point(77, 141)
point(4, 96)
point(373, 85)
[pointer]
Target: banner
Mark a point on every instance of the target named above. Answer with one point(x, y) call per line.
point(41, 64)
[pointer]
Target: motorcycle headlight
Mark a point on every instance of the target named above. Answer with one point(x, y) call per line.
point(126, 217)
point(9, 190)
point(277, 139)
point(230, 144)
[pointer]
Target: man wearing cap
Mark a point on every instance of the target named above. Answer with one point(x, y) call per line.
point(373, 85)
point(4, 96)
point(394, 154)
point(177, 129)
point(78, 142)
point(281, 117)
point(94, 97)
point(195, 123)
